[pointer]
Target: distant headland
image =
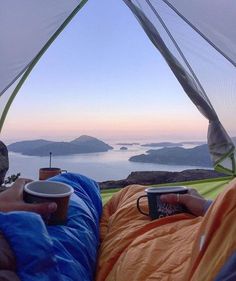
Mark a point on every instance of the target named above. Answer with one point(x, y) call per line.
point(197, 156)
point(128, 143)
point(172, 144)
point(82, 144)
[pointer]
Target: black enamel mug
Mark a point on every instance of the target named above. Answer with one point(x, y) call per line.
point(159, 209)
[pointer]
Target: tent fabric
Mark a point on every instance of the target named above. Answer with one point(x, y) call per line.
point(158, 21)
point(65, 252)
point(29, 26)
point(27, 29)
point(180, 247)
point(207, 18)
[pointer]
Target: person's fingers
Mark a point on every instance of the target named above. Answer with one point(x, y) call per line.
point(175, 198)
point(27, 180)
point(22, 181)
point(40, 208)
point(169, 198)
point(194, 204)
point(194, 192)
point(18, 186)
point(19, 181)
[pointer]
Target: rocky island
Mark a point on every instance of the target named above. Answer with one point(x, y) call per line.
point(83, 144)
point(197, 156)
point(123, 148)
point(172, 144)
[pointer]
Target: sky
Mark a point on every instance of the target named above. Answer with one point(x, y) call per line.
point(103, 77)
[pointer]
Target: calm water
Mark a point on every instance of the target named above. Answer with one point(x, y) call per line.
point(111, 165)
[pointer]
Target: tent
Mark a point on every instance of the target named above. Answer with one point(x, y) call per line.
point(186, 33)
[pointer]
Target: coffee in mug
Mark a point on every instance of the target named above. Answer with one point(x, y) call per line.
point(159, 209)
point(50, 191)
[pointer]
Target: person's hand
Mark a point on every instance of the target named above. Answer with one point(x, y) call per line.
point(12, 200)
point(193, 201)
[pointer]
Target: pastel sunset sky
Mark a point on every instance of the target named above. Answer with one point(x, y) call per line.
point(103, 77)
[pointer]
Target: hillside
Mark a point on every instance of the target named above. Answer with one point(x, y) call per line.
point(24, 146)
point(197, 156)
point(172, 144)
point(83, 144)
point(161, 177)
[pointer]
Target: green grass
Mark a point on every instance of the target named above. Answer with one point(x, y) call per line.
point(209, 188)
point(107, 194)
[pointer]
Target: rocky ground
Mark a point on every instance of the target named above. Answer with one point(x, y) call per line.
point(159, 177)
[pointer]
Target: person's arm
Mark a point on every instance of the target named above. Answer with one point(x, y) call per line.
point(193, 201)
point(12, 200)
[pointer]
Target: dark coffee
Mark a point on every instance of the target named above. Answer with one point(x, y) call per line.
point(159, 209)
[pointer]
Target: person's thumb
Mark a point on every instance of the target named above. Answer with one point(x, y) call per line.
point(40, 208)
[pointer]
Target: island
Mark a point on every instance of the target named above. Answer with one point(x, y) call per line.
point(163, 144)
point(82, 144)
point(172, 144)
point(197, 156)
point(123, 148)
point(128, 143)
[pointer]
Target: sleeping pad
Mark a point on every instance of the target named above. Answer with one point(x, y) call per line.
point(57, 253)
point(179, 248)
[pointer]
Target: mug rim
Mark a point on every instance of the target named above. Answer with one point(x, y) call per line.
point(47, 195)
point(164, 189)
point(50, 169)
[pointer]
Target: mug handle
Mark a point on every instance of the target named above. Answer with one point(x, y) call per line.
point(138, 207)
point(63, 171)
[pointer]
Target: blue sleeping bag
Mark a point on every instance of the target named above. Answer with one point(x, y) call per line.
point(60, 253)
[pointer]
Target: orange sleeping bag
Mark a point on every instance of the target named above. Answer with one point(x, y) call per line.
point(181, 247)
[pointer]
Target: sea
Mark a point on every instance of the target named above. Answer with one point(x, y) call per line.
point(111, 165)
